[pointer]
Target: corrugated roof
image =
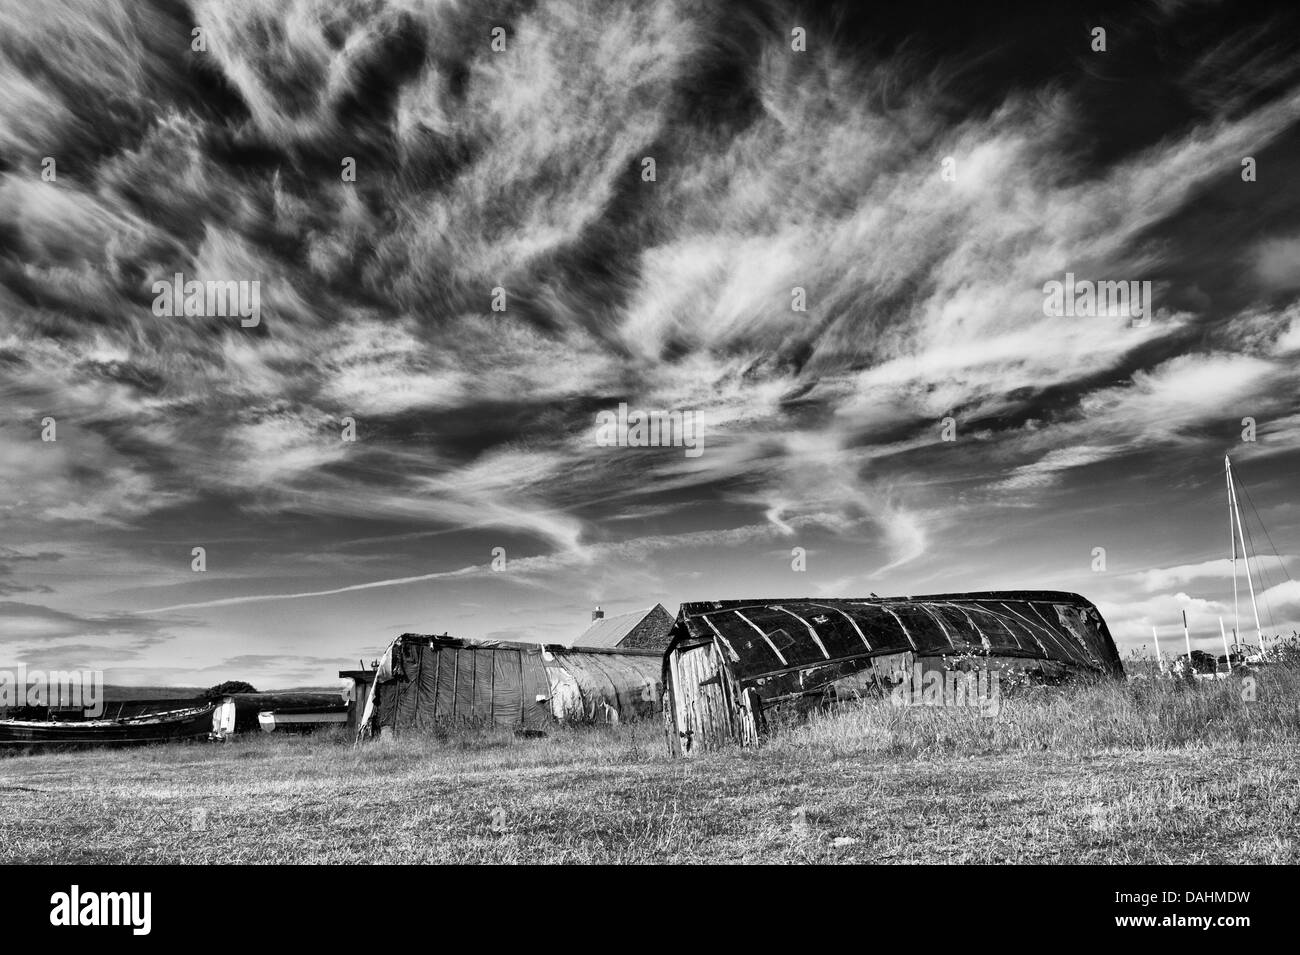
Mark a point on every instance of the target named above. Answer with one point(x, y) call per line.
point(608, 631)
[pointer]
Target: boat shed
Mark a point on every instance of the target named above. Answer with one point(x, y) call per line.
point(730, 662)
point(425, 681)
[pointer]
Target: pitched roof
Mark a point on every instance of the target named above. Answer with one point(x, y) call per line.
point(609, 631)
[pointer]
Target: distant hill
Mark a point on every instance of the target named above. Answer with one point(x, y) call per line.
point(114, 693)
point(336, 688)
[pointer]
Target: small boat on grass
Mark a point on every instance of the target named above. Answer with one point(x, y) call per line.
point(302, 719)
point(193, 722)
point(293, 710)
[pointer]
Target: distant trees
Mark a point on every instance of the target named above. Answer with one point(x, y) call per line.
point(227, 688)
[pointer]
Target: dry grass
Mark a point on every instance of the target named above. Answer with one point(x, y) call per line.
point(1148, 772)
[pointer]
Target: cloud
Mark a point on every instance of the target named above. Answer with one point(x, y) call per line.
point(776, 176)
point(1046, 468)
point(1163, 578)
point(520, 567)
point(1277, 263)
point(42, 636)
point(352, 588)
point(9, 557)
point(924, 295)
point(1282, 601)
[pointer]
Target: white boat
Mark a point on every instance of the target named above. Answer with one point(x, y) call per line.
point(300, 720)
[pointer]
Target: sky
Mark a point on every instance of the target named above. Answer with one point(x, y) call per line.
point(916, 176)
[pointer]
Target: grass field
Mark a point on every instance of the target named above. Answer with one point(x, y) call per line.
point(1148, 772)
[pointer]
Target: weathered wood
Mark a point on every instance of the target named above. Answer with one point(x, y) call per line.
point(705, 710)
point(455, 682)
point(670, 725)
point(708, 706)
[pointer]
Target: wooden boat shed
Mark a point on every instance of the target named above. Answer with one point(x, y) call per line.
point(424, 681)
point(730, 662)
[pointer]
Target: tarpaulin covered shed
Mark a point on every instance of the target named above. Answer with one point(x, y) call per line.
point(423, 681)
point(729, 660)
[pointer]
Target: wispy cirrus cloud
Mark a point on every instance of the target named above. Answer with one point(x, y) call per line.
point(522, 171)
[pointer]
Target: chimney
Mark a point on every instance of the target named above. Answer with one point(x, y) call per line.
point(597, 614)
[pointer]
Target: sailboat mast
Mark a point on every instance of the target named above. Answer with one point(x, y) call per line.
point(1232, 490)
point(1232, 544)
